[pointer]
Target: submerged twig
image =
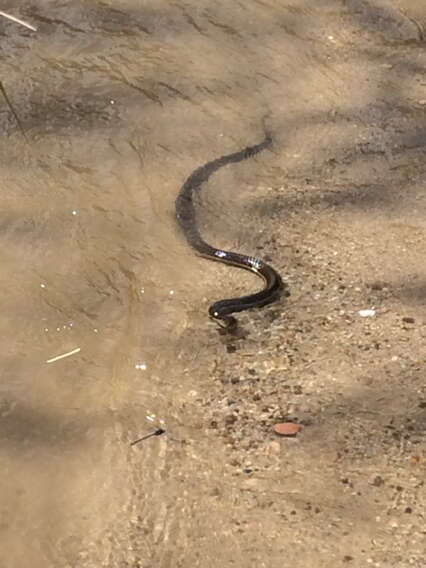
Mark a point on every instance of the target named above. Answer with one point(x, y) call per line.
point(157, 432)
point(12, 110)
point(64, 355)
point(17, 20)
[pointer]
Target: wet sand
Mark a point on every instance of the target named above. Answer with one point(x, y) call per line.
point(119, 102)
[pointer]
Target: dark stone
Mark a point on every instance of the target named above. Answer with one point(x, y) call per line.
point(378, 481)
point(230, 419)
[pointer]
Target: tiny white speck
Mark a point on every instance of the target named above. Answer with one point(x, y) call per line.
point(95, 330)
point(142, 290)
point(112, 101)
point(46, 329)
point(140, 366)
point(58, 329)
point(330, 37)
point(42, 285)
point(171, 292)
point(71, 323)
point(74, 212)
point(151, 417)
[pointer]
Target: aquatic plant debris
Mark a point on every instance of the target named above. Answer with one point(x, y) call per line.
point(12, 110)
point(17, 20)
point(63, 355)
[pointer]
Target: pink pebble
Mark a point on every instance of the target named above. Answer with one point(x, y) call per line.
point(287, 429)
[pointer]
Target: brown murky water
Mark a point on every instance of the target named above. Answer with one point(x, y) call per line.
point(120, 101)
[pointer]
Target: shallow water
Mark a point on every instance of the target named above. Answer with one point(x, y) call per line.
point(119, 102)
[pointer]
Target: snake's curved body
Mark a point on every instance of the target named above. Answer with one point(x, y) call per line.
point(185, 213)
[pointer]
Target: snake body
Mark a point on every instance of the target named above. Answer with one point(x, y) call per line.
point(185, 213)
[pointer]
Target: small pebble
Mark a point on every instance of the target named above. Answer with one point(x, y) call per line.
point(367, 313)
point(273, 448)
point(377, 286)
point(378, 481)
point(408, 320)
point(230, 419)
point(287, 429)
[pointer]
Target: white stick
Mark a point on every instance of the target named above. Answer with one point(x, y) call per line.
point(18, 21)
point(64, 355)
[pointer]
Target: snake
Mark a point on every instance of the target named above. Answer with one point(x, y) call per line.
point(221, 310)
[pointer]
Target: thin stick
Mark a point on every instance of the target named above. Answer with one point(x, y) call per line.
point(157, 432)
point(64, 355)
point(18, 21)
point(12, 110)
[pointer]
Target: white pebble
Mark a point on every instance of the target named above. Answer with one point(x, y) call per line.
point(140, 366)
point(74, 212)
point(367, 313)
point(171, 292)
point(42, 285)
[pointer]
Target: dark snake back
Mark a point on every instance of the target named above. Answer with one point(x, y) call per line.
point(186, 216)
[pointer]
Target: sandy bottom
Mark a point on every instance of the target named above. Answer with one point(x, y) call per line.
point(118, 102)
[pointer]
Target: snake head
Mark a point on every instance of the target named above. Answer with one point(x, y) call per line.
point(226, 323)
